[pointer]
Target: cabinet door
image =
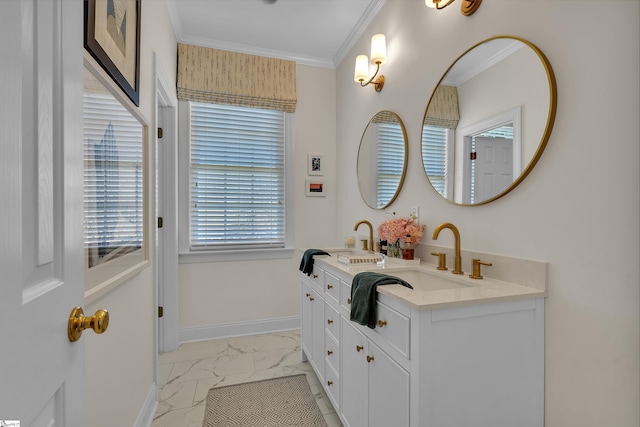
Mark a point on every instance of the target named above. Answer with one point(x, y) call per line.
point(307, 319)
point(317, 333)
point(354, 376)
point(388, 390)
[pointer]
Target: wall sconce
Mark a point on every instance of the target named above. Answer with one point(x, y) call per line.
point(468, 7)
point(378, 57)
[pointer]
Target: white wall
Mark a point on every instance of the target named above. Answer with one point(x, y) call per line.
point(218, 294)
point(120, 363)
point(578, 209)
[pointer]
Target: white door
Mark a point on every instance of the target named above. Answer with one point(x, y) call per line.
point(494, 167)
point(41, 252)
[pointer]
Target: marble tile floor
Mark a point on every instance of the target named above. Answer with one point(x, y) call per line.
point(187, 374)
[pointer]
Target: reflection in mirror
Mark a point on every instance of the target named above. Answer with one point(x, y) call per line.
point(382, 159)
point(488, 120)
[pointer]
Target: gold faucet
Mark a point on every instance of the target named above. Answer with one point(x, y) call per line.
point(370, 233)
point(456, 234)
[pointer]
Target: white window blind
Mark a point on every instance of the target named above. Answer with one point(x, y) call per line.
point(113, 179)
point(390, 161)
point(237, 173)
point(434, 156)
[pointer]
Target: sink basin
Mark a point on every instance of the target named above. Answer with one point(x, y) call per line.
point(423, 281)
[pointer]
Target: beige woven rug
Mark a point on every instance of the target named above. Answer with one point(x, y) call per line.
point(277, 402)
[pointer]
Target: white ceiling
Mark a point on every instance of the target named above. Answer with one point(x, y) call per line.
point(311, 32)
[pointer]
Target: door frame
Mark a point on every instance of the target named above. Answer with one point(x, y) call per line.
point(463, 138)
point(166, 253)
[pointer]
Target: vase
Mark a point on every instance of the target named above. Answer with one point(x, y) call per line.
point(393, 249)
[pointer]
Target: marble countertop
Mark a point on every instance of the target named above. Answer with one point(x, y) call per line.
point(464, 290)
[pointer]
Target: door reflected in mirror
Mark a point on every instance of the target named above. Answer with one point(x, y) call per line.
point(488, 120)
point(382, 159)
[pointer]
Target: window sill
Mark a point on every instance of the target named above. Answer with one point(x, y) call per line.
point(234, 255)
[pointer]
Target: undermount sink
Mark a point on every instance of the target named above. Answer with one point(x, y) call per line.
point(424, 281)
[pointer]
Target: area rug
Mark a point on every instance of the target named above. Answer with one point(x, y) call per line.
point(277, 402)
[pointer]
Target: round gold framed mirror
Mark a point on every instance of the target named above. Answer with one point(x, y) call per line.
point(488, 120)
point(382, 159)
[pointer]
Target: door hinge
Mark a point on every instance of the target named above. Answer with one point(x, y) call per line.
point(473, 155)
point(160, 311)
point(159, 133)
point(160, 222)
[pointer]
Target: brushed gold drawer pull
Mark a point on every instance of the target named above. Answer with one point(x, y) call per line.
point(329, 383)
point(315, 276)
point(348, 300)
point(329, 352)
point(329, 286)
point(369, 359)
point(382, 323)
point(308, 295)
point(359, 348)
point(311, 298)
point(329, 321)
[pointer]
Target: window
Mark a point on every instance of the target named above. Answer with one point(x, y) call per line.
point(390, 161)
point(236, 178)
point(435, 157)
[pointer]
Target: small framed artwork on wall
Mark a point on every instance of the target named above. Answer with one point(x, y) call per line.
point(314, 188)
point(315, 165)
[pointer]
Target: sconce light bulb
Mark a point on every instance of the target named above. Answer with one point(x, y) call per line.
point(362, 69)
point(378, 49)
point(437, 4)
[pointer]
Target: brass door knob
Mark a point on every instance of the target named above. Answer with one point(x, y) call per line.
point(78, 322)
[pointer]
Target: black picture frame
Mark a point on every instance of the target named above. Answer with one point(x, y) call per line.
point(108, 23)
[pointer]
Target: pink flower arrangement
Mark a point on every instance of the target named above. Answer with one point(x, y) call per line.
point(399, 228)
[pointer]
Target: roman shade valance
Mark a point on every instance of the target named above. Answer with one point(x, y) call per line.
point(443, 108)
point(223, 77)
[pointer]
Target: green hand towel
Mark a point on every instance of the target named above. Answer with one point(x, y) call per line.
point(306, 263)
point(363, 295)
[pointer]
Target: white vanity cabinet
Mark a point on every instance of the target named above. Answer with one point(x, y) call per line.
point(477, 362)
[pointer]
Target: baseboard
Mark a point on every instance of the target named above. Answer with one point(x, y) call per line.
point(212, 332)
point(148, 410)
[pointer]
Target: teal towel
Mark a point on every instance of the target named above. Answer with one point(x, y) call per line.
point(306, 263)
point(363, 295)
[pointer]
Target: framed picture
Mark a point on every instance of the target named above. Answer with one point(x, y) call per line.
point(315, 165)
point(314, 188)
point(112, 37)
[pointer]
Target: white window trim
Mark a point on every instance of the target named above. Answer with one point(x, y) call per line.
point(188, 256)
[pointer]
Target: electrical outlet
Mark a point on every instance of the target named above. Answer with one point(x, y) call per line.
point(414, 213)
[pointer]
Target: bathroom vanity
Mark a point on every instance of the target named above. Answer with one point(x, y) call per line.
point(451, 352)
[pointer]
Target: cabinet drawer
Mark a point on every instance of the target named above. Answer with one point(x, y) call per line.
point(393, 327)
point(332, 386)
point(317, 276)
point(332, 321)
point(332, 352)
point(332, 286)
